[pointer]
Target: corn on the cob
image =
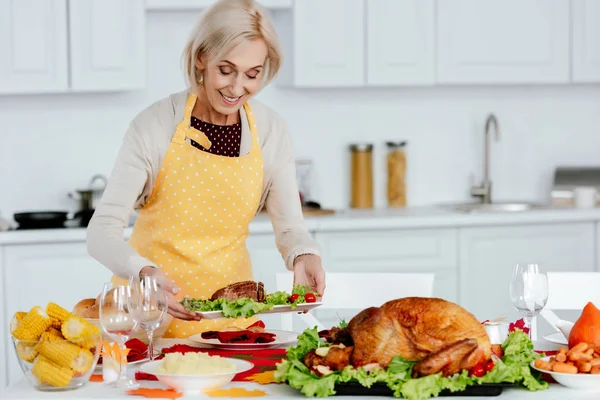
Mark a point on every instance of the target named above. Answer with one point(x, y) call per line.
point(33, 324)
point(67, 355)
point(49, 372)
point(79, 331)
point(52, 334)
point(56, 323)
point(57, 312)
point(27, 351)
point(14, 322)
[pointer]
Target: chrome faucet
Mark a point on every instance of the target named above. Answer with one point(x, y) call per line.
point(484, 191)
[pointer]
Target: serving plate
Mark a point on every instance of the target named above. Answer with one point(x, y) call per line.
point(381, 389)
point(275, 310)
point(282, 338)
point(573, 381)
point(557, 337)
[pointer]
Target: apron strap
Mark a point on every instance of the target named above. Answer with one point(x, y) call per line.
point(184, 128)
point(252, 125)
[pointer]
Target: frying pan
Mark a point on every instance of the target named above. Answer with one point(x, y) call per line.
point(41, 219)
point(51, 219)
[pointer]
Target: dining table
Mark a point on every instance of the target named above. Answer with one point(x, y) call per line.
point(22, 389)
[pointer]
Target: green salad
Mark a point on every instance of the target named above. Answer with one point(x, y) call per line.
point(511, 367)
point(245, 307)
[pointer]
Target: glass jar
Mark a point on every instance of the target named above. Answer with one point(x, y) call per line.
point(396, 174)
point(361, 183)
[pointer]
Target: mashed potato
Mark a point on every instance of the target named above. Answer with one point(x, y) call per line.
point(194, 364)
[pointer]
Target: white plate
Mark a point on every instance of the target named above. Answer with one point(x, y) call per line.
point(196, 384)
point(276, 309)
point(557, 337)
point(574, 381)
point(282, 338)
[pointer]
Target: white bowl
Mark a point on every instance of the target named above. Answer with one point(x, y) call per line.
point(196, 384)
point(574, 381)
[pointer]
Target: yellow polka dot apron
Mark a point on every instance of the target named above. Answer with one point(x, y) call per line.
point(195, 223)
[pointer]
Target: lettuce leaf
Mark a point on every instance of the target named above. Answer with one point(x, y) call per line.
point(513, 368)
point(246, 307)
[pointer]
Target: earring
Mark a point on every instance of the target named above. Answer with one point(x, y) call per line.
point(200, 79)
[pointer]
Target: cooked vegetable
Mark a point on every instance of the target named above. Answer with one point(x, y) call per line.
point(27, 351)
point(57, 312)
point(33, 324)
point(14, 322)
point(81, 332)
point(51, 373)
point(67, 354)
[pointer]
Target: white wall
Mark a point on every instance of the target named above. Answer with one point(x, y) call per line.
point(52, 144)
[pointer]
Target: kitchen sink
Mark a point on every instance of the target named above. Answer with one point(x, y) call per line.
point(496, 207)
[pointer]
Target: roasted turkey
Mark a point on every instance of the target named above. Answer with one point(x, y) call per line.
point(440, 335)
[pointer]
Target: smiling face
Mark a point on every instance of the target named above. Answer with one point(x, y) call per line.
point(231, 80)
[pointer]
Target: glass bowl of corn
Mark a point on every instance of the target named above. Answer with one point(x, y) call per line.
point(57, 350)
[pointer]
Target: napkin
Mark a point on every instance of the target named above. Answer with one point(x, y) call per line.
point(245, 336)
point(565, 327)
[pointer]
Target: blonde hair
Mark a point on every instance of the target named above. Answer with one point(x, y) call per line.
point(224, 25)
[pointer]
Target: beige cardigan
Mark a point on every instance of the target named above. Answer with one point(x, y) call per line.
point(140, 158)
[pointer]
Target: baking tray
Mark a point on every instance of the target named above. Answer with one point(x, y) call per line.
point(381, 389)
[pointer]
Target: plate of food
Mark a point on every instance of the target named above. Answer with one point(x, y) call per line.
point(387, 350)
point(576, 368)
point(195, 373)
point(556, 337)
point(248, 298)
point(254, 337)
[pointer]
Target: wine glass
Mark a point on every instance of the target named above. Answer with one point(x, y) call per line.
point(529, 291)
point(118, 305)
point(153, 306)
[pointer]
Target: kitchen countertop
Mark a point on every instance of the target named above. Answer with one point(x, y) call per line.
point(349, 220)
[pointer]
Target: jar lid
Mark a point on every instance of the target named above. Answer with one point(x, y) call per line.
point(396, 144)
point(361, 147)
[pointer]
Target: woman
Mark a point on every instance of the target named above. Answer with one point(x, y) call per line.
point(199, 165)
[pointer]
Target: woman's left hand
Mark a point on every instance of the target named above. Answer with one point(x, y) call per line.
point(308, 271)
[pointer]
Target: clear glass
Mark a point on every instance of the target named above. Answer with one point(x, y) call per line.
point(152, 308)
point(528, 291)
point(118, 306)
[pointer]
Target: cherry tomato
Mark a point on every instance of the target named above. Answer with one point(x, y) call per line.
point(478, 371)
point(489, 366)
point(310, 298)
point(293, 298)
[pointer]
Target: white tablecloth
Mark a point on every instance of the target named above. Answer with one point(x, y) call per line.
point(23, 390)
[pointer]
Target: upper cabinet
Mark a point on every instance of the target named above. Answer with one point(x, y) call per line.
point(400, 42)
point(323, 44)
point(107, 50)
point(71, 46)
point(585, 22)
point(33, 44)
point(507, 41)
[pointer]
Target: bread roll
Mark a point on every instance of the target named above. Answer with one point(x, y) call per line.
point(87, 308)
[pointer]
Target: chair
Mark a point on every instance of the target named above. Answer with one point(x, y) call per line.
point(358, 291)
point(568, 291)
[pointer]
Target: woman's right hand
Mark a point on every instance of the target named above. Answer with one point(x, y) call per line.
point(175, 308)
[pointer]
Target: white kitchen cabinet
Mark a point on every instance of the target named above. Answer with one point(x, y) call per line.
point(585, 25)
point(406, 250)
point(36, 274)
point(598, 246)
point(323, 44)
point(488, 254)
point(33, 44)
point(107, 44)
point(503, 42)
point(400, 42)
